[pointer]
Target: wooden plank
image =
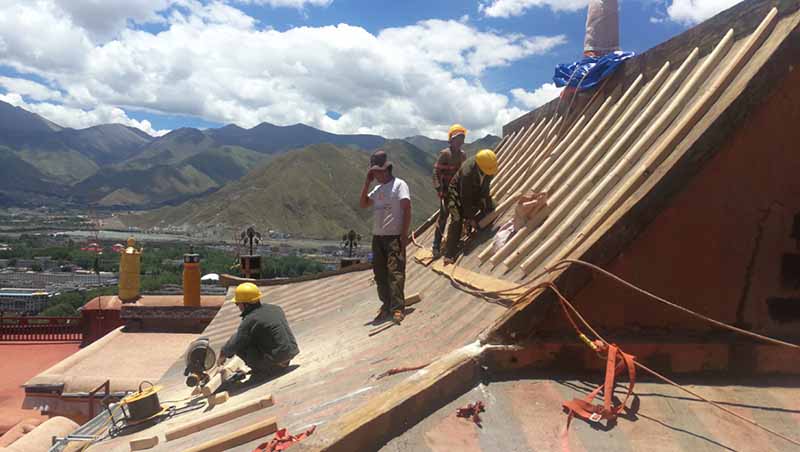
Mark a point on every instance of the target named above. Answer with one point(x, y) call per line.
point(144, 443)
point(469, 278)
point(238, 437)
point(230, 280)
point(219, 418)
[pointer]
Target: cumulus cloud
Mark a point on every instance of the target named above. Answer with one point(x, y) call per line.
point(105, 18)
point(77, 118)
point(510, 8)
point(211, 60)
point(299, 4)
point(29, 88)
point(689, 12)
point(538, 97)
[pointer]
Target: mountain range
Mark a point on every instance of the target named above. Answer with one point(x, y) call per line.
point(115, 166)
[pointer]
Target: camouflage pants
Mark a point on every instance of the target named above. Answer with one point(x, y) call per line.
point(389, 267)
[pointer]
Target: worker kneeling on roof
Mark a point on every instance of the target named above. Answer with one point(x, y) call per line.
point(469, 198)
point(264, 340)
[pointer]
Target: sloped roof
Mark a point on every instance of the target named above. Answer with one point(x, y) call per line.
point(613, 152)
point(596, 153)
point(338, 360)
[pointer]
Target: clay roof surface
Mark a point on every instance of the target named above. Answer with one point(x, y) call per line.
point(124, 358)
point(113, 302)
point(338, 360)
point(20, 362)
point(523, 412)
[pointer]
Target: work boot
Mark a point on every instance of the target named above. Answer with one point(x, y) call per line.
point(382, 315)
point(398, 316)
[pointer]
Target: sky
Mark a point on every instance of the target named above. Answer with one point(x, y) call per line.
point(394, 68)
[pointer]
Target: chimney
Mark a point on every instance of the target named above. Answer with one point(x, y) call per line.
point(191, 279)
point(602, 28)
point(130, 264)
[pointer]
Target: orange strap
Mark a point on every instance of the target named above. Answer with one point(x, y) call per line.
point(617, 362)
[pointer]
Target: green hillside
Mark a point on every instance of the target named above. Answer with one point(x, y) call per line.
point(311, 192)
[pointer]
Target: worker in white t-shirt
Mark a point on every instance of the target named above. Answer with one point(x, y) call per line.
point(391, 204)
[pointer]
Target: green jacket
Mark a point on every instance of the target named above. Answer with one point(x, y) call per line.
point(468, 193)
point(264, 327)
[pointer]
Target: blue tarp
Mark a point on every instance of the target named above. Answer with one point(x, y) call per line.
point(589, 71)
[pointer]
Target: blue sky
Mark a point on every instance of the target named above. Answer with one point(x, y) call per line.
point(348, 66)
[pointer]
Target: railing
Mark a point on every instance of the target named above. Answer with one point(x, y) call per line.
point(93, 395)
point(40, 329)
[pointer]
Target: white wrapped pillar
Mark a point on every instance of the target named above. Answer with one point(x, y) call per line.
point(602, 28)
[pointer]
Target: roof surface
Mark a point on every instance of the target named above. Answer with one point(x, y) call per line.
point(338, 360)
point(523, 413)
point(123, 358)
point(597, 163)
point(20, 362)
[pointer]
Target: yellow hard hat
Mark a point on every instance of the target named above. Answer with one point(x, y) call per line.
point(455, 130)
point(247, 293)
point(487, 161)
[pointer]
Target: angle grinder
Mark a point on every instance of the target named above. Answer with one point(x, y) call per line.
point(200, 358)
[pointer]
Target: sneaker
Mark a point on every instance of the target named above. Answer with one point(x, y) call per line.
point(398, 316)
point(449, 260)
point(436, 252)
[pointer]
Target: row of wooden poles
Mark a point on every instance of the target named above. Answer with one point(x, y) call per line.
point(602, 160)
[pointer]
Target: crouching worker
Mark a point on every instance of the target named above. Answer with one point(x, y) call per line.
point(264, 340)
point(469, 197)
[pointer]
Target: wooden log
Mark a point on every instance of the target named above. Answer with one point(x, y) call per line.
point(232, 365)
point(144, 443)
point(520, 143)
point(606, 152)
point(218, 399)
point(502, 207)
point(506, 173)
point(530, 155)
point(609, 174)
point(548, 156)
point(541, 179)
point(413, 299)
point(499, 148)
point(512, 144)
point(238, 437)
point(218, 418)
point(592, 145)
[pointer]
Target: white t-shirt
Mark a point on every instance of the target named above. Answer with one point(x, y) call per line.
point(388, 213)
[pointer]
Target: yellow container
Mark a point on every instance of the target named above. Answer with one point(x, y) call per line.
point(130, 265)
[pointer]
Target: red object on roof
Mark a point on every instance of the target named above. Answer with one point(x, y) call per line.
point(472, 411)
point(283, 440)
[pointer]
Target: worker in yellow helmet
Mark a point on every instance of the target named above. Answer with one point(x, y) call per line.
point(263, 340)
point(449, 161)
point(469, 197)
